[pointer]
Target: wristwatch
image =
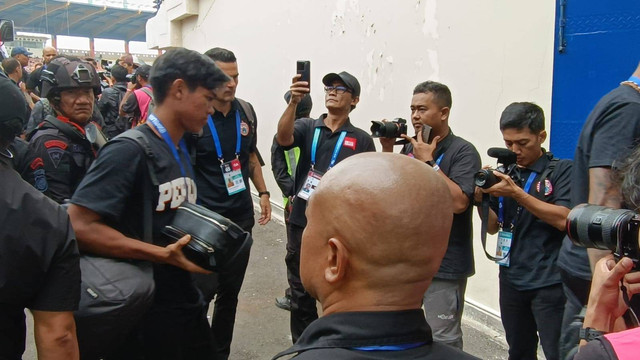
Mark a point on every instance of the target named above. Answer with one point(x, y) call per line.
point(260, 193)
point(430, 163)
point(589, 334)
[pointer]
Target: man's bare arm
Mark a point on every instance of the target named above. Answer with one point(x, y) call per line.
point(55, 335)
point(257, 178)
point(603, 190)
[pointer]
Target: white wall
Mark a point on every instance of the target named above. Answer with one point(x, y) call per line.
point(490, 53)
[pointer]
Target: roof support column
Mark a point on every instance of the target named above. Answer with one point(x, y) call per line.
point(54, 41)
point(126, 47)
point(92, 47)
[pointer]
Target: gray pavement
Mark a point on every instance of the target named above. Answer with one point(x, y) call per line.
point(262, 330)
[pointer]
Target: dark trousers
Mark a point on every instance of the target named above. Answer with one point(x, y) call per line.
point(225, 286)
point(527, 313)
point(303, 306)
point(576, 291)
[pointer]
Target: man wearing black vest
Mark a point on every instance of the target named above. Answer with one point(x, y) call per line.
point(529, 215)
point(225, 157)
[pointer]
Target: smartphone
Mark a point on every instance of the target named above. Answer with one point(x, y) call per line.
point(303, 67)
point(426, 132)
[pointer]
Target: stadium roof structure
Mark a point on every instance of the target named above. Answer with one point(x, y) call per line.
point(73, 19)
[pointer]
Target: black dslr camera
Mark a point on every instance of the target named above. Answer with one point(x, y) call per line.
point(389, 129)
point(600, 227)
point(507, 165)
point(132, 78)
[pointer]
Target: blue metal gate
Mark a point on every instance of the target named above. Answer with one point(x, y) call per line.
point(597, 45)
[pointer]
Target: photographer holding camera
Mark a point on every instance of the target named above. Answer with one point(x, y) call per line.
point(138, 101)
point(529, 215)
point(455, 160)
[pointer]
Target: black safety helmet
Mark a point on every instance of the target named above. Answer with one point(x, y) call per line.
point(66, 72)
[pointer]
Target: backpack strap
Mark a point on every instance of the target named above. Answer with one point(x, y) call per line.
point(248, 111)
point(139, 138)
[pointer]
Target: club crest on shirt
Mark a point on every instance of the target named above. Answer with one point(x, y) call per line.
point(244, 128)
point(55, 149)
point(548, 188)
point(350, 143)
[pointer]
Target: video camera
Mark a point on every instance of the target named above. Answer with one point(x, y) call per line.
point(600, 227)
point(389, 129)
point(507, 165)
point(132, 78)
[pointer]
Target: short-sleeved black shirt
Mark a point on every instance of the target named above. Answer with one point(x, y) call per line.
point(212, 189)
point(114, 189)
point(39, 262)
point(34, 83)
point(356, 141)
point(535, 246)
point(610, 133)
point(460, 163)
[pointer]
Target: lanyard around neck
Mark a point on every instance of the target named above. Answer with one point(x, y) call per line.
point(167, 139)
point(635, 79)
point(439, 159)
point(216, 138)
point(527, 187)
point(336, 150)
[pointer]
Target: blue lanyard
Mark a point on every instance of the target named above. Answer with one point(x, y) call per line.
point(165, 135)
point(389, 347)
point(439, 159)
point(527, 187)
point(336, 150)
point(635, 79)
point(216, 138)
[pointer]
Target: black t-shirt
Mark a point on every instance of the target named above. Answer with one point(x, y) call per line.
point(460, 163)
point(39, 262)
point(212, 189)
point(610, 133)
point(55, 164)
point(131, 106)
point(356, 141)
point(114, 189)
point(535, 244)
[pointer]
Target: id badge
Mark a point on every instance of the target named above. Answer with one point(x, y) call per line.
point(232, 174)
point(310, 184)
point(503, 247)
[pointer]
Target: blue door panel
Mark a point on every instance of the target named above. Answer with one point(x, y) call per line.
point(601, 48)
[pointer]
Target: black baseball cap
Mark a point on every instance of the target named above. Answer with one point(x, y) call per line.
point(349, 80)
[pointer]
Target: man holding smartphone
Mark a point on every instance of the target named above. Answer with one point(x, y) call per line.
point(323, 142)
point(456, 160)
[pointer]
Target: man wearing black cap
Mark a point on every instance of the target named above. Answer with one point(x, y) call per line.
point(59, 152)
point(139, 97)
point(323, 142)
point(39, 268)
point(283, 165)
point(22, 54)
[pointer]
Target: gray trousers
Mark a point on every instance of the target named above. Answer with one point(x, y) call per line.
point(443, 305)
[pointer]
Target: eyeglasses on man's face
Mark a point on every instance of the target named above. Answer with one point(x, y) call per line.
point(337, 89)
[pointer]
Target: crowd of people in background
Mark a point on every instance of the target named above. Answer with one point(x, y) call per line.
point(390, 288)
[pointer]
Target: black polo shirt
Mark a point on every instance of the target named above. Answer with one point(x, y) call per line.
point(212, 190)
point(337, 336)
point(609, 134)
point(356, 141)
point(535, 244)
point(460, 163)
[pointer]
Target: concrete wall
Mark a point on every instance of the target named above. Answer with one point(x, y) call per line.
point(490, 53)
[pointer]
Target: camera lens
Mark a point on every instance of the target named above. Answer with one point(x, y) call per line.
point(485, 178)
point(600, 227)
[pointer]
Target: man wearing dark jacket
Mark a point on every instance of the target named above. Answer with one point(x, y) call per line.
point(109, 102)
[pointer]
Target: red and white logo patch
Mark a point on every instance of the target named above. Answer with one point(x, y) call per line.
point(548, 188)
point(350, 143)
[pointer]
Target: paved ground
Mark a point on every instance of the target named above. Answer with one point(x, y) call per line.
point(262, 330)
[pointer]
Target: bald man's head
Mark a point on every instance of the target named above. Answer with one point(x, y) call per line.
point(49, 53)
point(378, 223)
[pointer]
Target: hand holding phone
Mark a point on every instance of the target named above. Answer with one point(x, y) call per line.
point(426, 132)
